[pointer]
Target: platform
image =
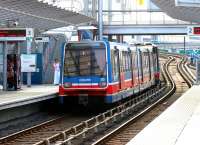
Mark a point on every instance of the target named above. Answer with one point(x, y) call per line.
point(178, 125)
point(27, 95)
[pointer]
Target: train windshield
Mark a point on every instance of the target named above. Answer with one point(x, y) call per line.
point(85, 59)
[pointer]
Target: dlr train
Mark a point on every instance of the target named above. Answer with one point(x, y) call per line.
point(107, 71)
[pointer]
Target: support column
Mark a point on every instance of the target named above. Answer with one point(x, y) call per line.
point(120, 38)
point(100, 18)
point(184, 45)
point(28, 73)
point(5, 52)
point(19, 73)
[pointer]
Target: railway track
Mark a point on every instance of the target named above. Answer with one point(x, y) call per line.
point(72, 129)
point(53, 131)
point(40, 132)
point(129, 129)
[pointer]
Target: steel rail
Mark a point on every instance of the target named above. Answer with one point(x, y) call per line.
point(170, 82)
point(77, 134)
point(183, 72)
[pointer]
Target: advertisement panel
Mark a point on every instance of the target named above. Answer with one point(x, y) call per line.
point(28, 62)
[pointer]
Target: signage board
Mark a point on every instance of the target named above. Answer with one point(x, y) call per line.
point(28, 63)
point(41, 39)
point(187, 3)
point(193, 30)
point(29, 32)
point(196, 30)
point(12, 32)
point(16, 34)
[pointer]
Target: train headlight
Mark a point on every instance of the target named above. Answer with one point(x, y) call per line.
point(67, 85)
point(102, 84)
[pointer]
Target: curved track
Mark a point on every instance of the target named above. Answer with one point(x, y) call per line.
point(63, 130)
point(129, 129)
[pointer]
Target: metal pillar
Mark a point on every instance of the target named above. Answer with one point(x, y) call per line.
point(28, 73)
point(100, 18)
point(86, 4)
point(94, 8)
point(5, 52)
point(184, 45)
point(19, 78)
point(109, 13)
point(120, 38)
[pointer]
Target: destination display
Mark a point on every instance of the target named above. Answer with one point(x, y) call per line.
point(13, 33)
point(193, 30)
point(16, 34)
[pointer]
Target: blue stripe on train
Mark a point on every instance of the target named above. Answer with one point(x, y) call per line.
point(85, 79)
point(118, 96)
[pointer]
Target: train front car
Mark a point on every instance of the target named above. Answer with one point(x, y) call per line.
point(84, 71)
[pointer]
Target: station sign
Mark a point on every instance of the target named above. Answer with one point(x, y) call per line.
point(196, 30)
point(193, 30)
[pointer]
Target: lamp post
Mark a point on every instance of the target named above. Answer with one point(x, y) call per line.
point(100, 18)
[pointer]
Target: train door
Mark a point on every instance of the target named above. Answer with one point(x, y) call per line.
point(140, 67)
point(123, 69)
point(135, 69)
point(118, 66)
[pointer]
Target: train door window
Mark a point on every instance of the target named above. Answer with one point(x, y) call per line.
point(129, 60)
point(115, 65)
point(124, 61)
point(150, 63)
point(121, 58)
point(134, 62)
point(141, 59)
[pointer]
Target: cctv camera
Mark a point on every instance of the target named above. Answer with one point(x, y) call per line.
point(16, 23)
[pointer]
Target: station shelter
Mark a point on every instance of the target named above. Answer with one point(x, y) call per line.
point(14, 42)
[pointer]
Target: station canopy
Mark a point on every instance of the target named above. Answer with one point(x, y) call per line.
point(36, 14)
point(186, 10)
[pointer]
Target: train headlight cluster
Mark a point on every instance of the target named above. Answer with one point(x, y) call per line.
point(102, 84)
point(67, 85)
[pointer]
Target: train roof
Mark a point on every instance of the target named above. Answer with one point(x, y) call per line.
point(122, 46)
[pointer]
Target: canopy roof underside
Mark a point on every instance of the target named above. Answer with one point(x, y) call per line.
point(184, 13)
point(35, 14)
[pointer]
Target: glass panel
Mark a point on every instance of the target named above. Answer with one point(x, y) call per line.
point(85, 60)
point(143, 18)
point(130, 18)
point(157, 18)
point(169, 20)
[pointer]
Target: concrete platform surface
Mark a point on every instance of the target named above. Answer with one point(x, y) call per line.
point(178, 125)
point(27, 95)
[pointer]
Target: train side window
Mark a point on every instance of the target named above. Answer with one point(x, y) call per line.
point(126, 56)
point(115, 64)
point(124, 61)
point(121, 62)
